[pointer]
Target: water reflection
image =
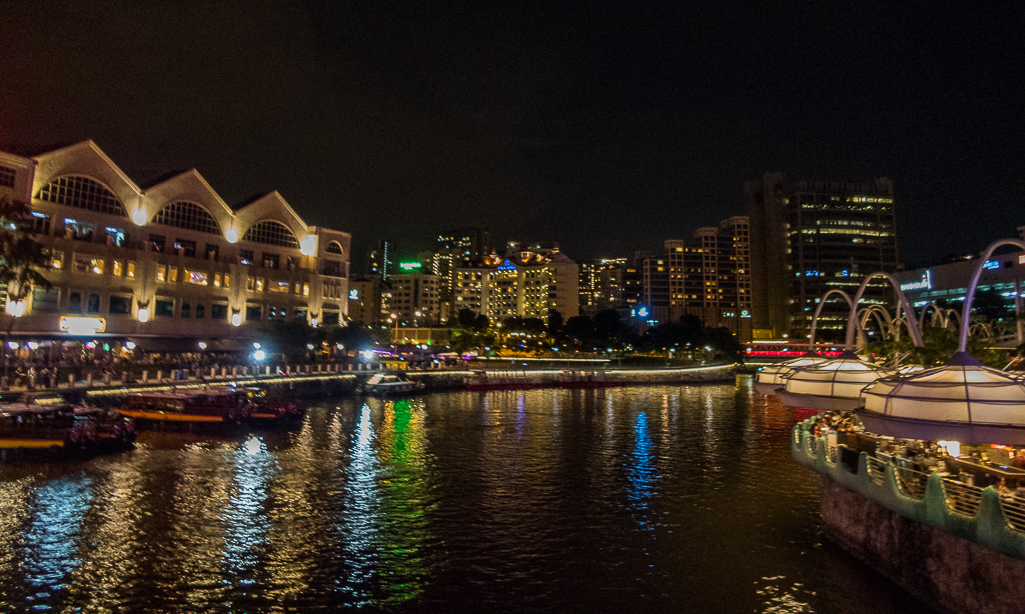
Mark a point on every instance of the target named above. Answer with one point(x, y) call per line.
point(659, 499)
point(245, 520)
point(358, 524)
point(50, 545)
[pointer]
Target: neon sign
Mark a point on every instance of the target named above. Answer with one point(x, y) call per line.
point(409, 266)
point(354, 294)
point(507, 266)
point(78, 325)
point(643, 312)
point(923, 284)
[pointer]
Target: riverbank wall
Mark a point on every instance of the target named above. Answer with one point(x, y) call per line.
point(347, 382)
point(952, 561)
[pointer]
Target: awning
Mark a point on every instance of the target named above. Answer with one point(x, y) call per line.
point(180, 345)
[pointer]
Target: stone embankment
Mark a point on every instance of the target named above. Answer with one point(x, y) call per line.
point(952, 547)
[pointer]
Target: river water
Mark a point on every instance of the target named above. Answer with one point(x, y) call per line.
point(681, 498)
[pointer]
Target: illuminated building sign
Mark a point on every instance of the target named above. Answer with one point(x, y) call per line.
point(81, 325)
point(643, 312)
point(923, 284)
point(354, 294)
point(1021, 259)
point(744, 313)
point(507, 266)
point(409, 266)
point(990, 265)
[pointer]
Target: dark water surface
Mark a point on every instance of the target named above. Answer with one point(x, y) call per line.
point(679, 499)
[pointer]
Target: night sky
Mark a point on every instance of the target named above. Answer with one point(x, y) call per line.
point(605, 127)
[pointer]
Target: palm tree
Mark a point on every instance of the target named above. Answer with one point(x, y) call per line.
point(21, 258)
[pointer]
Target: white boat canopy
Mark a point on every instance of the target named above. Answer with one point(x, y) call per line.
point(962, 401)
point(834, 384)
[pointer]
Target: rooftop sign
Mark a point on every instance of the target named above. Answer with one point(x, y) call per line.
point(409, 266)
point(923, 284)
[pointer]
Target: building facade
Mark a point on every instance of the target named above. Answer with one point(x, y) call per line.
point(525, 283)
point(811, 236)
point(710, 276)
point(415, 297)
point(166, 260)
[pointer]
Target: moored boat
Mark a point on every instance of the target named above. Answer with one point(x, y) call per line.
point(503, 380)
point(390, 386)
point(587, 379)
point(270, 407)
point(198, 409)
point(48, 423)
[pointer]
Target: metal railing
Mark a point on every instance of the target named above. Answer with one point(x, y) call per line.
point(811, 442)
point(1014, 512)
point(876, 470)
point(832, 453)
point(911, 482)
point(961, 497)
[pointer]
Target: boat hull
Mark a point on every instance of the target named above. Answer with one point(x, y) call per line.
point(814, 401)
point(767, 390)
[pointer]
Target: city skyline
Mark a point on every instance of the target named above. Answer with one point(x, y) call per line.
point(590, 128)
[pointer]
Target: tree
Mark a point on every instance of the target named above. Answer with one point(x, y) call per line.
point(724, 343)
point(608, 327)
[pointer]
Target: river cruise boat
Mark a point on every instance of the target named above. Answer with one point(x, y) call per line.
point(391, 386)
point(196, 409)
point(48, 423)
point(587, 379)
point(504, 380)
point(272, 407)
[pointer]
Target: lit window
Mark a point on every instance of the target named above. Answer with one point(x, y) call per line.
point(198, 278)
point(334, 247)
point(227, 280)
point(57, 260)
point(250, 283)
point(217, 280)
point(306, 289)
point(259, 285)
point(130, 270)
point(78, 231)
point(84, 264)
point(161, 273)
point(7, 175)
point(172, 274)
point(119, 268)
point(298, 289)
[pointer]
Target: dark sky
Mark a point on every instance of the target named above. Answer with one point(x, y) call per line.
point(606, 127)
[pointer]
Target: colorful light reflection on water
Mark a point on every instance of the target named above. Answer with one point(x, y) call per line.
point(641, 499)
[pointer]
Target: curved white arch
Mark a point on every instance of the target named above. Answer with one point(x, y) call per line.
point(916, 335)
point(882, 317)
point(818, 311)
point(966, 312)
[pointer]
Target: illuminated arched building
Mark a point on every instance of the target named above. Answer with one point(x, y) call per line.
point(168, 259)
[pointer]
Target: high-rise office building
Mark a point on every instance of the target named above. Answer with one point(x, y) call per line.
point(381, 260)
point(525, 283)
point(601, 285)
point(455, 249)
point(810, 236)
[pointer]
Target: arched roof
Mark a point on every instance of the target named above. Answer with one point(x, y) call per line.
point(82, 192)
point(334, 247)
point(271, 232)
point(188, 215)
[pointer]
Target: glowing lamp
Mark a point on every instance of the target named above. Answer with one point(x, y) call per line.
point(314, 321)
point(144, 314)
point(231, 235)
point(16, 309)
point(32, 345)
point(308, 245)
point(12, 344)
point(236, 319)
point(257, 346)
point(309, 346)
point(139, 217)
point(259, 355)
point(202, 345)
point(130, 345)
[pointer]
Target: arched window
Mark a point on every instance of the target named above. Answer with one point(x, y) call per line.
point(82, 192)
point(334, 247)
point(188, 215)
point(271, 233)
